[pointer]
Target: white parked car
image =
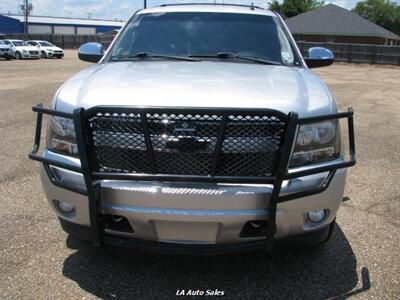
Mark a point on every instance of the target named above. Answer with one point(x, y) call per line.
point(20, 49)
point(46, 49)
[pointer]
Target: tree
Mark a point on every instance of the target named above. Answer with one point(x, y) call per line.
point(385, 13)
point(275, 6)
point(291, 8)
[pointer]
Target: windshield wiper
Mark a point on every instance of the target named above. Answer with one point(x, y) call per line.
point(150, 55)
point(229, 55)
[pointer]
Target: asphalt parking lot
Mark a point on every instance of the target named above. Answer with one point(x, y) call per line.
point(38, 261)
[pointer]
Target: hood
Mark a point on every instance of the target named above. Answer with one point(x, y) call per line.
point(196, 84)
point(53, 48)
point(27, 48)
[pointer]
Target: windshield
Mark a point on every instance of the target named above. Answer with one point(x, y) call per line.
point(46, 44)
point(19, 43)
point(207, 34)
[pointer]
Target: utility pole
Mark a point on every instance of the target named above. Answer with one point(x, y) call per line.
point(26, 16)
point(145, 4)
point(26, 7)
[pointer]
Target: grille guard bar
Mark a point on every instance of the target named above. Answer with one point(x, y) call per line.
point(282, 172)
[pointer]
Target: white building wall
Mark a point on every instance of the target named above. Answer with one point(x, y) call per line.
point(42, 29)
point(86, 30)
point(64, 29)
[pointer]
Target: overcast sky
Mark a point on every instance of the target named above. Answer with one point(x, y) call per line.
point(111, 9)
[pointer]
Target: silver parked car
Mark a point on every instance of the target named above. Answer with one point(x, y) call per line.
point(21, 50)
point(5, 50)
point(201, 130)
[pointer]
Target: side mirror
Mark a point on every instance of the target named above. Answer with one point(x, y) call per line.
point(319, 57)
point(91, 52)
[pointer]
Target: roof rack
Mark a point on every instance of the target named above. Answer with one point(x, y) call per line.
point(251, 6)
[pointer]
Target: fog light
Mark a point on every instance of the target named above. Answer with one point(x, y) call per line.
point(316, 216)
point(65, 206)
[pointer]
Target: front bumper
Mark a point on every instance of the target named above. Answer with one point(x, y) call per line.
point(308, 239)
point(4, 54)
point(55, 54)
point(194, 210)
point(207, 213)
point(30, 56)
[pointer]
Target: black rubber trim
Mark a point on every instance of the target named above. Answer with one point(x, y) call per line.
point(296, 241)
point(79, 231)
point(307, 240)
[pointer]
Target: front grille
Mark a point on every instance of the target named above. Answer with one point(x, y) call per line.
point(34, 52)
point(184, 143)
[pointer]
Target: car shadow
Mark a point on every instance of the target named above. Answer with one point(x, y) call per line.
point(325, 272)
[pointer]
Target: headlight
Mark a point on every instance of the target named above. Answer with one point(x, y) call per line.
point(61, 136)
point(316, 142)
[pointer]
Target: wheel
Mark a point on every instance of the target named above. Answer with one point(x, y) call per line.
point(43, 55)
point(18, 55)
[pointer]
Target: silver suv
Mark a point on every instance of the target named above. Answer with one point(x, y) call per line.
point(200, 130)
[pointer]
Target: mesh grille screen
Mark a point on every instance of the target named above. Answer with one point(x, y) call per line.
point(185, 144)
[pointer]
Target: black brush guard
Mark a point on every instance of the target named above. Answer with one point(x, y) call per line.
point(93, 173)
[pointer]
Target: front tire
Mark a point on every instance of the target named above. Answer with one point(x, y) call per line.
point(43, 54)
point(18, 55)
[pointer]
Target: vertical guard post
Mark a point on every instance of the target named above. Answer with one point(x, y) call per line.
point(93, 190)
point(218, 146)
point(38, 130)
point(351, 135)
point(149, 146)
point(280, 173)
